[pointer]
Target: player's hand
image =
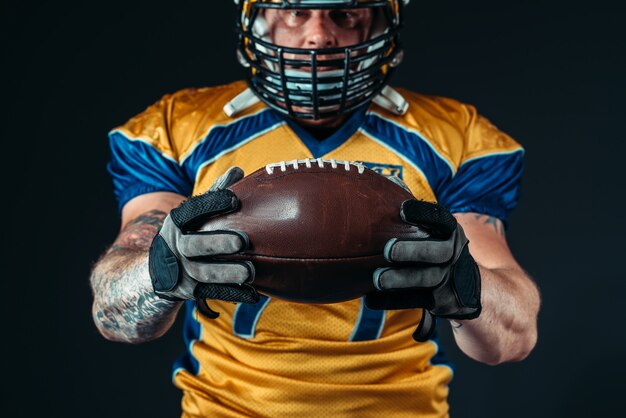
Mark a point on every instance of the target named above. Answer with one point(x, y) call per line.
point(435, 272)
point(184, 262)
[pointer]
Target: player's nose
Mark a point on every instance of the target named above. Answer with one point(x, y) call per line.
point(319, 33)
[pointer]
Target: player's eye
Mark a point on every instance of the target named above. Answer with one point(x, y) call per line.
point(345, 18)
point(293, 17)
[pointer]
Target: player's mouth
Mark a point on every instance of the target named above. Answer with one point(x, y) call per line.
point(311, 86)
point(321, 62)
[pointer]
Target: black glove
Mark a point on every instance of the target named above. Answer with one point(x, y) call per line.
point(182, 261)
point(435, 272)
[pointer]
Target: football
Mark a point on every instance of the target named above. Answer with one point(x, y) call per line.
point(317, 228)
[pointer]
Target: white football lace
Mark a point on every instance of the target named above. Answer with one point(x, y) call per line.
point(308, 163)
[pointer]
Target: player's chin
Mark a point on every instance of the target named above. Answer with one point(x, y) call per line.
point(327, 122)
point(329, 116)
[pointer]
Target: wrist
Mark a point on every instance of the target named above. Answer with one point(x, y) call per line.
point(455, 324)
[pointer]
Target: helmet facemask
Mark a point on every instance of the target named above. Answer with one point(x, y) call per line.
point(324, 82)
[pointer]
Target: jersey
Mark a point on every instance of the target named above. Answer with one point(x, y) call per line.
point(283, 359)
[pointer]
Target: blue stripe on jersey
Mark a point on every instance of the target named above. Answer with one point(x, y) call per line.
point(191, 334)
point(411, 146)
point(137, 168)
point(489, 185)
point(369, 325)
point(440, 359)
point(246, 317)
point(222, 139)
point(319, 148)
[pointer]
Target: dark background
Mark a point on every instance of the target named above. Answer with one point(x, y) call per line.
point(551, 75)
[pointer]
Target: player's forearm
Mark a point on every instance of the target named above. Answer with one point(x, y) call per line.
point(125, 307)
point(506, 330)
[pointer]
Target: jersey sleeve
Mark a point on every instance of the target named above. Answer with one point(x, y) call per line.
point(488, 178)
point(144, 158)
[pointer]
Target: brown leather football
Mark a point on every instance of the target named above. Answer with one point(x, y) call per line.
point(317, 228)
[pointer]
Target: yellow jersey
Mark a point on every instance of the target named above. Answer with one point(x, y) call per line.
point(284, 359)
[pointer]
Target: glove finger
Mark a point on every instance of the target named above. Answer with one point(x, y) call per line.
point(212, 243)
point(408, 278)
point(436, 218)
point(230, 177)
point(220, 272)
point(419, 251)
point(192, 213)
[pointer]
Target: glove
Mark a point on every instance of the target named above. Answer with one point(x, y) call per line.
point(184, 262)
point(435, 272)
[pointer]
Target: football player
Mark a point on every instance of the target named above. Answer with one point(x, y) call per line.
point(316, 87)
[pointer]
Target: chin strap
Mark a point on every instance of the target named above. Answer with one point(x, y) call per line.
point(389, 99)
point(244, 100)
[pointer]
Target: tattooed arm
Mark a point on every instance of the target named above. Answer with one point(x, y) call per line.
point(506, 330)
point(125, 307)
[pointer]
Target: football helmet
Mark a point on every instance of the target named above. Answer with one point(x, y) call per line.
point(290, 80)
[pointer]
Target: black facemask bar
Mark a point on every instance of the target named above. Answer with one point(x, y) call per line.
point(299, 4)
point(289, 79)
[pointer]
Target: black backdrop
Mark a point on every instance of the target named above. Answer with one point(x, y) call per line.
point(548, 74)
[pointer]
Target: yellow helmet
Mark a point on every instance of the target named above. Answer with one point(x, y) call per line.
point(352, 76)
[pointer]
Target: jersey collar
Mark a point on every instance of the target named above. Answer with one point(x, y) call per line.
point(319, 148)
